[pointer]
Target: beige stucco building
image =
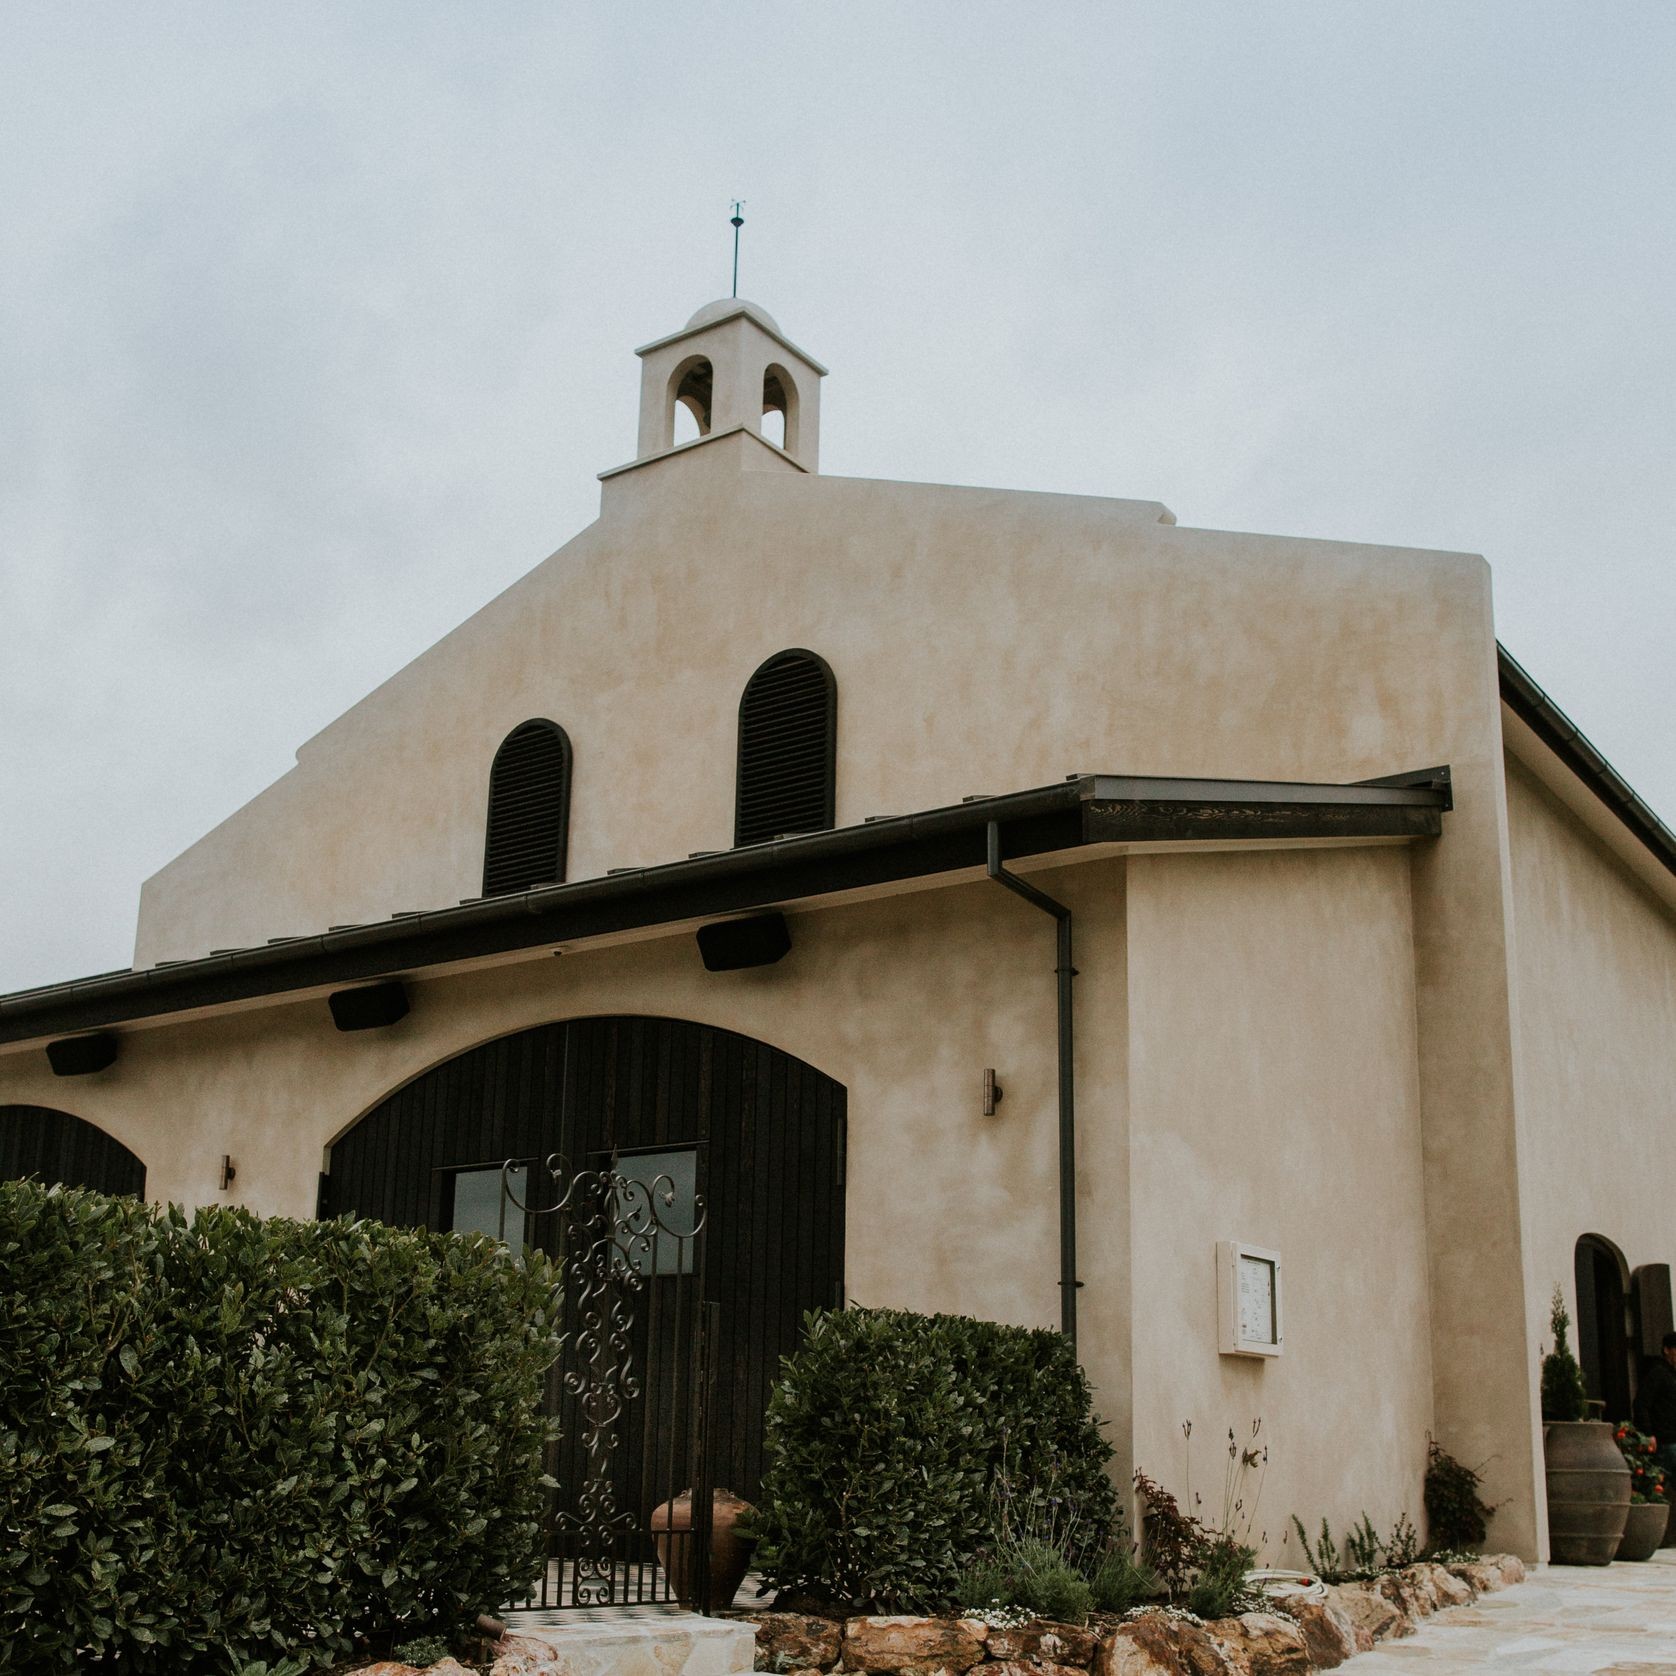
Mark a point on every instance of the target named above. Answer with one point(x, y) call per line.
point(1415, 1039)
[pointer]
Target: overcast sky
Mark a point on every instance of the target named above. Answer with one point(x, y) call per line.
point(316, 322)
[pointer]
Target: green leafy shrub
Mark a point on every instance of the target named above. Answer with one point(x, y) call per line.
point(1363, 1547)
point(1121, 1581)
point(1365, 1552)
point(1457, 1516)
point(1402, 1547)
point(422, 1651)
point(1323, 1555)
point(228, 1442)
point(1030, 1574)
point(1564, 1394)
point(887, 1435)
point(1219, 1590)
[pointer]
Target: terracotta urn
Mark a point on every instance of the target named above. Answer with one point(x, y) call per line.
point(1588, 1492)
point(730, 1548)
point(1644, 1529)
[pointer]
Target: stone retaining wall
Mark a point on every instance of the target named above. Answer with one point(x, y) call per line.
point(1292, 1639)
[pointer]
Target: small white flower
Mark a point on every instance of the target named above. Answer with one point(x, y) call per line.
point(1177, 1614)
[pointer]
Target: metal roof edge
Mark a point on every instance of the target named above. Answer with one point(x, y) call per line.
point(1571, 745)
point(500, 923)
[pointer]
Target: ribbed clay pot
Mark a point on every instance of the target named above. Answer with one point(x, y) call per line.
point(1644, 1529)
point(1588, 1492)
point(730, 1548)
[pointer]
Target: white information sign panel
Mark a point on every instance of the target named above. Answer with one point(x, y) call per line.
point(1248, 1300)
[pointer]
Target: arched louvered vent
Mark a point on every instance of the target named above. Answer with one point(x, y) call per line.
point(529, 810)
point(788, 723)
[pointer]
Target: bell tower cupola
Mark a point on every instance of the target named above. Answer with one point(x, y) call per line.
point(732, 369)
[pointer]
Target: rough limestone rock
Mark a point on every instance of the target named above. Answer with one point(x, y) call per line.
point(1329, 1635)
point(1043, 1643)
point(1373, 1614)
point(1477, 1576)
point(394, 1667)
point(1446, 1588)
point(789, 1641)
point(1031, 1667)
point(1160, 1646)
point(523, 1655)
point(1410, 1596)
point(914, 1644)
point(1509, 1567)
point(1411, 1590)
point(1263, 1643)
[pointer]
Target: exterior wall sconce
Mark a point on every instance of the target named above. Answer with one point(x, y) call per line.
point(992, 1092)
point(228, 1171)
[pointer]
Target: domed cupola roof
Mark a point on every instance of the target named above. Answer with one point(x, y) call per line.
point(724, 307)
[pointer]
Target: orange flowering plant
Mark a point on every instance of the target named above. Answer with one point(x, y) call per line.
point(1646, 1475)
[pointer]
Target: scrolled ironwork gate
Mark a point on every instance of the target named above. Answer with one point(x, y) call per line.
point(633, 1386)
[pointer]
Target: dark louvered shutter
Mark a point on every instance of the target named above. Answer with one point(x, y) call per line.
point(787, 737)
point(529, 810)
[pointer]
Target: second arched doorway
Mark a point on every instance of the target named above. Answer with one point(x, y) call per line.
point(1603, 1345)
point(54, 1146)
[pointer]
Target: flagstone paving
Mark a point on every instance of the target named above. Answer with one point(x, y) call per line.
point(1616, 1620)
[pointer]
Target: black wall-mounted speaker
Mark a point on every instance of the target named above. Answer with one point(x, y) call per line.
point(80, 1056)
point(368, 1008)
point(731, 944)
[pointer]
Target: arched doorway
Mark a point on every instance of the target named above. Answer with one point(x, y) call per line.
point(1603, 1346)
point(53, 1146)
point(759, 1133)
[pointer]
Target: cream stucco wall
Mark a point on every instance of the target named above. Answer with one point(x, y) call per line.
point(982, 641)
point(1246, 1068)
point(905, 1001)
point(1596, 954)
point(1274, 1099)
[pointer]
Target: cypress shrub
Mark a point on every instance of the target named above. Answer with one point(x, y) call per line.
point(902, 1448)
point(1565, 1395)
point(226, 1439)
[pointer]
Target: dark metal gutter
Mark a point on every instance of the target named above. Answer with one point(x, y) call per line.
point(1566, 740)
point(1086, 809)
point(1064, 972)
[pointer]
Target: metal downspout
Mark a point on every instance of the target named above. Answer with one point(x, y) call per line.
point(1068, 1282)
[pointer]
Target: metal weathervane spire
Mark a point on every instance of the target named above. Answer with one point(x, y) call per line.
point(738, 222)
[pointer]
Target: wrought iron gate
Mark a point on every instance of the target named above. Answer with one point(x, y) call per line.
point(629, 1521)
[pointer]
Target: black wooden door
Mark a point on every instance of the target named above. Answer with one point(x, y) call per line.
point(53, 1146)
point(767, 1131)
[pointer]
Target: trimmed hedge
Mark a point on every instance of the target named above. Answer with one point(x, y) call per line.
point(227, 1439)
point(900, 1448)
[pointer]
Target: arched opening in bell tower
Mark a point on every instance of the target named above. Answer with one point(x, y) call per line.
point(779, 409)
point(691, 393)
